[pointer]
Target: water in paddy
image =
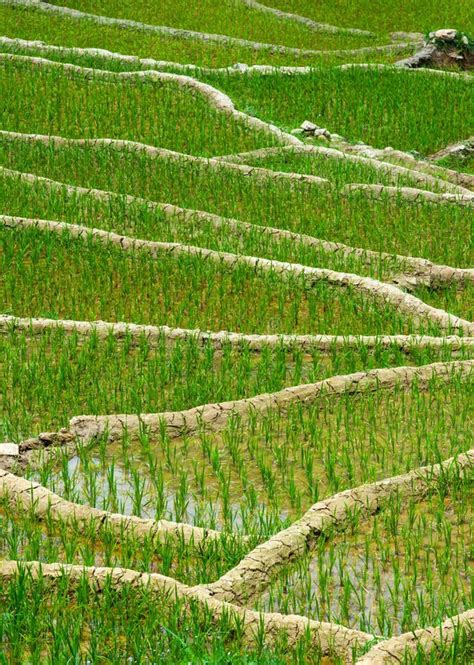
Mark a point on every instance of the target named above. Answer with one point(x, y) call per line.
point(409, 566)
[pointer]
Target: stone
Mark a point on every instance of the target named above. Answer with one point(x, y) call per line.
point(445, 35)
point(240, 67)
point(9, 450)
point(457, 149)
point(308, 126)
point(322, 131)
point(46, 437)
point(443, 49)
point(314, 130)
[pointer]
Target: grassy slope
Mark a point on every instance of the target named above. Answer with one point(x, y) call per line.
point(260, 478)
point(340, 172)
point(93, 282)
point(128, 109)
point(19, 22)
point(147, 379)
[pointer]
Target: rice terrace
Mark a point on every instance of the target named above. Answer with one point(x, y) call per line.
point(236, 332)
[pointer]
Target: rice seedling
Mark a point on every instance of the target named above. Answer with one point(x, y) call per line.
point(338, 171)
point(115, 109)
point(147, 378)
point(459, 300)
point(391, 110)
point(433, 232)
point(259, 480)
point(460, 163)
point(28, 23)
point(419, 16)
point(227, 18)
point(70, 278)
point(236, 394)
point(361, 579)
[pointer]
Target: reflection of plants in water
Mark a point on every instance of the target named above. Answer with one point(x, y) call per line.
point(256, 479)
point(406, 567)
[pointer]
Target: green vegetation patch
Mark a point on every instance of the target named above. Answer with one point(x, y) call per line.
point(227, 17)
point(89, 375)
point(382, 17)
point(160, 113)
point(408, 567)
point(408, 110)
point(435, 232)
point(338, 170)
point(62, 277)
point(30, 24)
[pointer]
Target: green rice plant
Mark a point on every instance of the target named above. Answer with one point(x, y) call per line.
point(28, 23)
point(338, 171)
point(390, 111)
point(70, 621)
point(459, 651)
point(73, 278)
point(82, 107)
point(408, 564)
point(458, 300)
point(420, 16)
point(407, 568)
point(230, 18)
point(435, 232)
point(463, 163)
point(25, 538)
point(256, 480)
point(107, 376)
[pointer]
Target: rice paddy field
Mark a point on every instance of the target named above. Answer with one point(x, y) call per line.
point(236, 356)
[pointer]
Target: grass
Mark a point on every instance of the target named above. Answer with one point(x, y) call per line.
point(408, 567)
point(46, 275)
point(228, 17)
point(338, 171)
point(107, 376)
point(27, 23)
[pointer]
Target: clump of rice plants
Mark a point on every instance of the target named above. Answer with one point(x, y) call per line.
point(392, 108)
point(406, 568)
point(435, 232)
point(213, 456)
point(81, 107)
point(70, 278)
point(26, 22)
